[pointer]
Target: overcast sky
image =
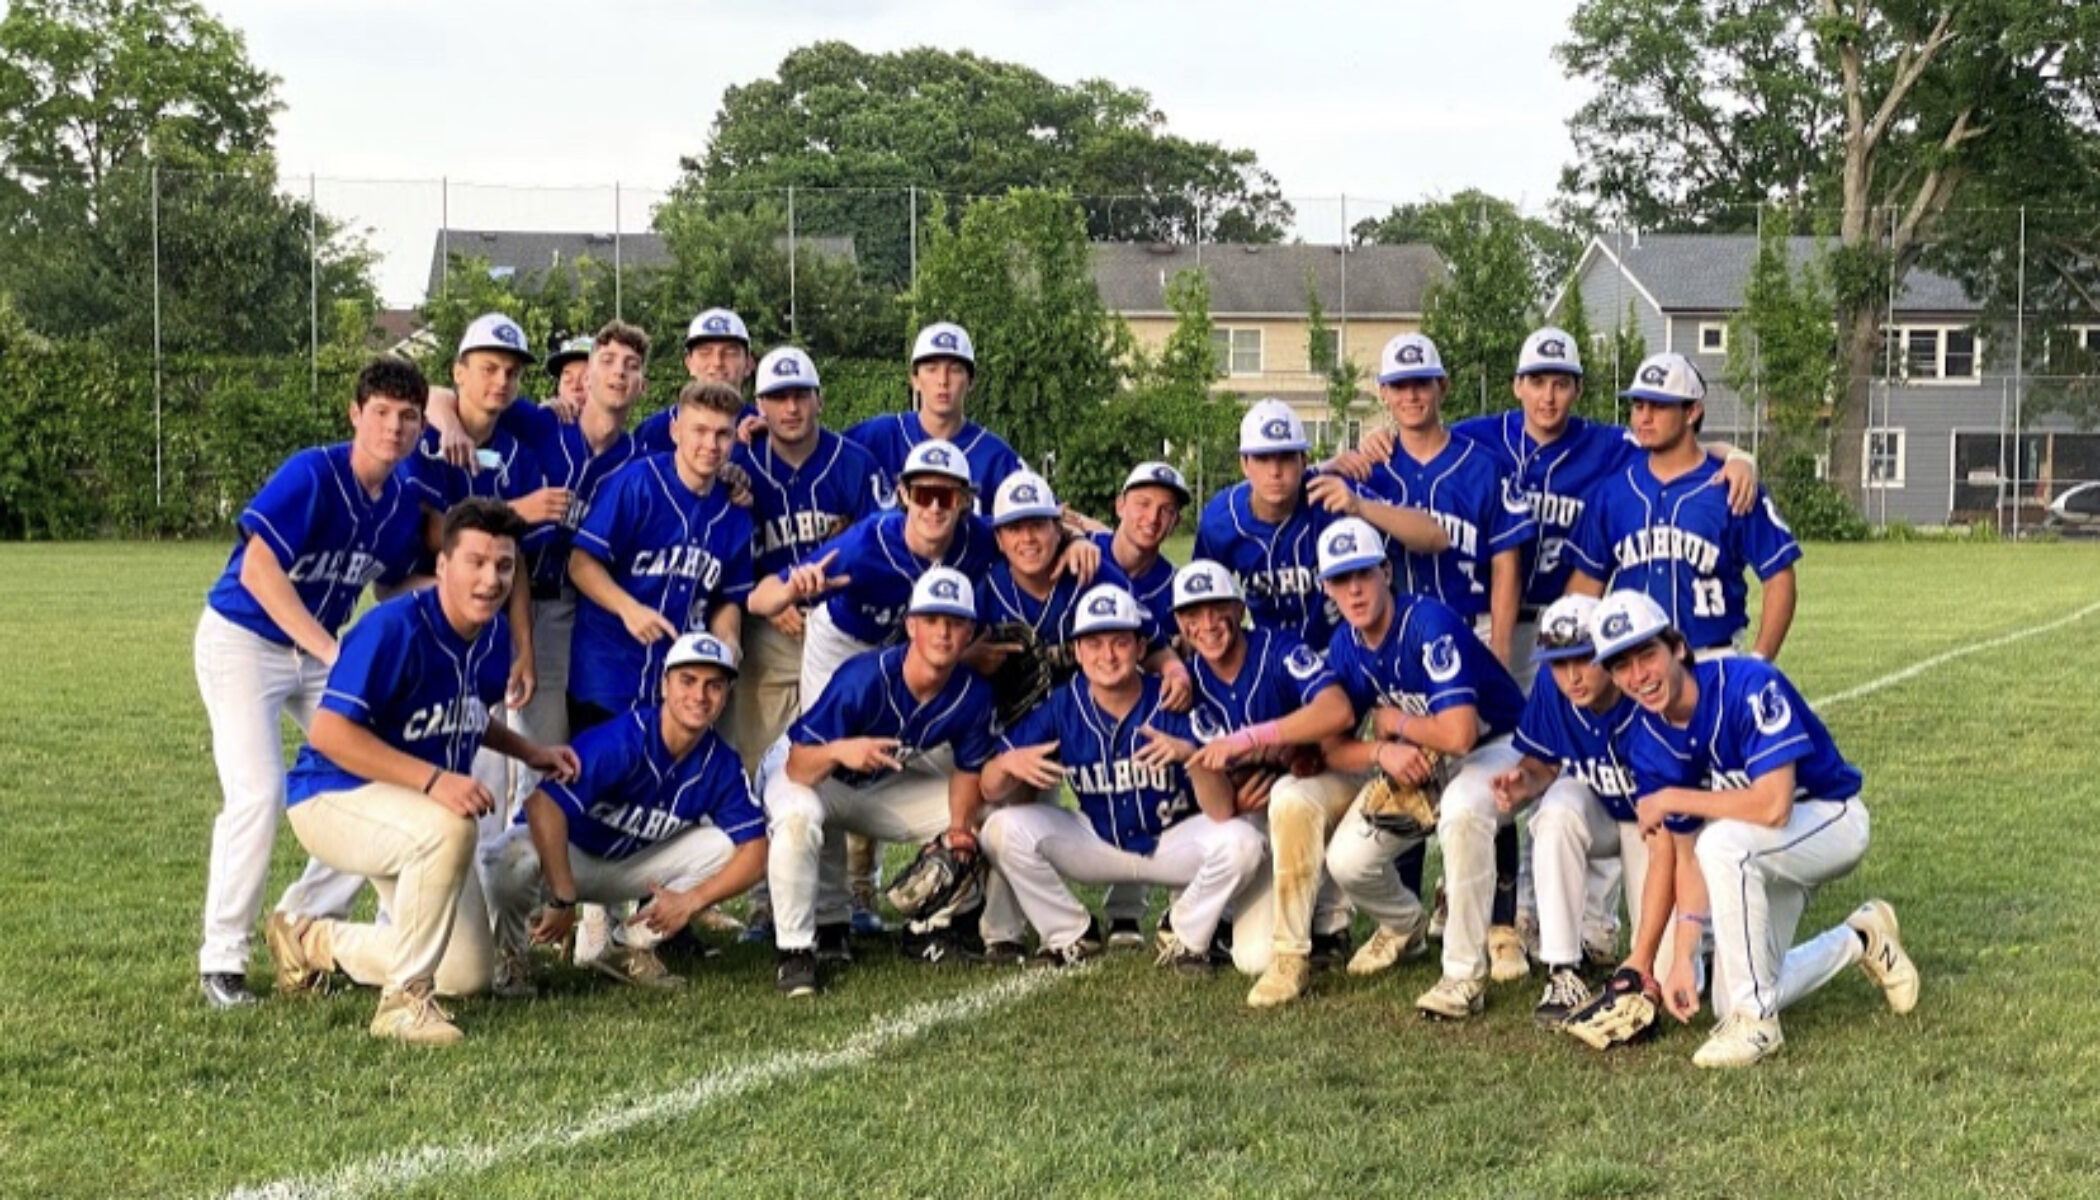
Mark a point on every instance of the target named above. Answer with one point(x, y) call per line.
point(534, 109)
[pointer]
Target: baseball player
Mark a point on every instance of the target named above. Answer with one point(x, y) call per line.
point(1128, 759)
point(566, 367)
point(329, 521)
point(659, 810)
point(1265, 702)
point(1759, 809)
point(382, 788)
point(848, 768)
point(943, 369)
point(1263, 529)
point(661, 553)
point(1658, 527)
point(1027, 585)
point(1413, 654)
point(717, 350)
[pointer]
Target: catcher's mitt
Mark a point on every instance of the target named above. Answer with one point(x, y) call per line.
point(1404, 809)
point(1025, 678)
point(1623, 1012)
point(938, 885)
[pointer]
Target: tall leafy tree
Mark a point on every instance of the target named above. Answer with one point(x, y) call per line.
point(1550, 247)
point(1490, 296)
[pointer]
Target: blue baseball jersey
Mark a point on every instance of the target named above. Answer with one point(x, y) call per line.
point(798, 508)
point(890, 437)
point(1556, 478)
point(408, 677)
point(883, 568)
point(682, 554)
point(632, 795)
point(517, 473)
point(1278, 676)
point(1000, 598)
point(1278, 566)
point(567, 461)
point(1586, 744)
point(1749, 722)
point(1473, 494)
point(1153, 588)
point(330, 536)
point(1428, 662)
point(1128, 804)
point(1678, 542)
point(867, 698)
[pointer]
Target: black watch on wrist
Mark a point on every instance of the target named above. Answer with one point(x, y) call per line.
point(557, 902)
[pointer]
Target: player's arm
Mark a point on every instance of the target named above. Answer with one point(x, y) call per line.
point(1505, 596)
point(524, 678)
point(1768, 801)
point(559, 762)
point(1680, 987)
point(265, 580)
point(1738, 474)
point(1214, 793)
point(1411, 527)
point(1658, 901)
point(669, 911)
point(1021, 772)
point(364, 754)
point(549, 827)
point(454, 445)
point(1177, 689)
point(727, 623)
point(1523, 783)
point(804, 583)
point(1775, 613)
point(812, 765)
point(592, 579)
point(965, 804)
point(1329, 716)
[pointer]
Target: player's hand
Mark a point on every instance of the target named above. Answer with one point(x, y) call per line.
point(558, 763)
point(1681, 990)
point(456, 448)
point(789, 621)
point(1036, 766)
point(1076, 522)
point(1509, 790)
point(986, 656)
point(1177, 692)
point(523, 682)
point(738, 483)
point(1253, 792)
point(462, 795)
point(963, 842)
point(1378, 445)
point(1222, 753)
point(1649, 813)
point(1404, 762)
point(1081, 560)
point(1163, 749)
point(1350, 464)
point(1386, 721)
point(1333, 493)
point(1739, 476)
point(667, 911)
point(553, 925)
point(564, 409)
point(809, 581)
point(647, 626)
point(866, 754)
point(547, 505)
point(750, 429)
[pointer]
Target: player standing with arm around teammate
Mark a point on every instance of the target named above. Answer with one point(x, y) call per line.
point(382, 788)
point(943, 370)
point(1728, 758)
point(329, 521)
point(660, 808)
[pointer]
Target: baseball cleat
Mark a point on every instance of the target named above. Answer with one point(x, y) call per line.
point(795, 973)
point(834, 944)
point(1565, 992)
point(593, 934)
point(1885, 961)
point(1124, 933)
point(1064, 956)
point(412, 1015)
point(632, 964)
point(1330, 950)
point(1000, 954)
point(1185, 961)
point(297, 970)
point(224, 989)
point(1740, 1041)
point(1453, 999)
point(1388, 947)
point(1507, 962)
point(1283, 982)
point(513, 979)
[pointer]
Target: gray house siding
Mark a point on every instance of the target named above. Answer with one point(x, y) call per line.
point(1605, 296)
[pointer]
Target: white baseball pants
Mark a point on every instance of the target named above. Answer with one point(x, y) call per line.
point(1571, 837)
point(1301, 898)
point(824, 650)
point(768, 694)
point(516, 885)
point(546, 719)
point(1759, 881)
point(806, 860)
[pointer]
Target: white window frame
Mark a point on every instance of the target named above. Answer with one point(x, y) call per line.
point(1312, 365)
point(1232, 335)
point(1939, 376)
point(2086, 337)
point(1866, 457)
point(1715, 327)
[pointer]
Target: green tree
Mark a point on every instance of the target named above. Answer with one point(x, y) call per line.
point(1488, 300)
point(1341, 377)
point(1572, 315)
point(1550, 248)
point(1887, 112)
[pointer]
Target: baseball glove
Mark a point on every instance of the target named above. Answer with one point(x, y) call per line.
point(1623, 1012)
point(937, 885)
point(1404, 809)
point(1026, 676)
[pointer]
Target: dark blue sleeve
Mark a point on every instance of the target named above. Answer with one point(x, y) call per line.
point(369, 664)
point(1538, 731)
point(1585, 546)
point(1766, 543)
point(975, 746)
point(725, 793)
point(284, 513)
point(842, 711)
point(610, 516)
point(603, 752)
point(1766, 719)
point(1036, 726)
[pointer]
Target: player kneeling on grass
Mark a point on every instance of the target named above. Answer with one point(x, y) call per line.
point(1128, 758)
point(383, 787)
point(1760, 809)
point(660, 811)
point(853, 765)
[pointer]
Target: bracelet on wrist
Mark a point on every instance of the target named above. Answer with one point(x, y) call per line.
point(432, 782)
point(1699, 919)
point(559, 904)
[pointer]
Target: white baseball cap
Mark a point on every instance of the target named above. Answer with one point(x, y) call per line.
point(1158, 474)
point(1270, 427)
point(1107, 608)
point(1205, 582)
point(1564, 629)
point(937, 456)
point(1625, 619)
point(1550, 351)
point(702, 650)
point(1023, 496)
point(943, 591)
point(1350, 544)
point(717, 325)
point(1409, 356)
point(786, 368)
point(576, 349)
point(1667, 378)
point(944, 339)
point(494, 331)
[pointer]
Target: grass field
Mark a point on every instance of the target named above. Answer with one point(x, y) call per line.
point(1122, 1080)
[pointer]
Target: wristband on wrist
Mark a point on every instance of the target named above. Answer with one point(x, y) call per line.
point(1700, 919)
point(432, 782)
point(559, 904)
point(1738, 454)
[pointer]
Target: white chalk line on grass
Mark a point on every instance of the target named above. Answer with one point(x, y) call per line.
point(1939, 660)
point(398, 1170)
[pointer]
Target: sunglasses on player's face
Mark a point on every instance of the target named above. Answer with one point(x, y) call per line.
point(941, 499)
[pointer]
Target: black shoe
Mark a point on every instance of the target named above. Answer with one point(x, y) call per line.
point(1565, 992)
point(224, 990)
point(1124, 933)
point(795, 972)
point(835, 945)
point(1088, 946)
point(932, 948)
point(1000, 954)
point(1330, 950)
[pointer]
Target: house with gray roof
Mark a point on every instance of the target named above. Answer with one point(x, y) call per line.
point(524, 253)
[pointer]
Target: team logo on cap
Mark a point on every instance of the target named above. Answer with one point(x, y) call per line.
point(787, 367)
point(1165, 475)
point(945, 589)
point(1440, 659)
point(937, 457)
point(1771, 709)
point(945, 340)
point(1564, 631)
point(1342, 543)
point(1553, 348)
point(1101, 606)
point(1409, 355)
point(1303, 662)
point(1198, 584)
point(715, 324)
point(509, 335)
point(1654, 375)
point(1027, 494)
point(1617, 625)
point(1276, 430)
